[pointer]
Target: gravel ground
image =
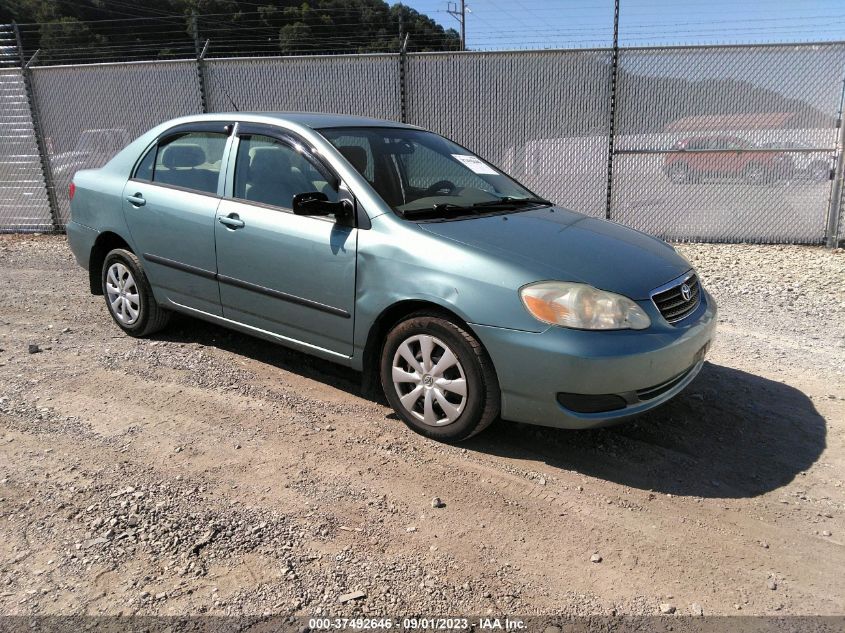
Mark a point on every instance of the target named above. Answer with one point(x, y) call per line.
point(202, 471)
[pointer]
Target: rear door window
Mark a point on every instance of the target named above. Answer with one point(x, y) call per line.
point(191, 161)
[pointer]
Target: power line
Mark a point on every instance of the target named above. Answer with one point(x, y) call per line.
point(168, 35)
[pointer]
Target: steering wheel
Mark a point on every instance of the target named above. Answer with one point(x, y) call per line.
point(445, 187)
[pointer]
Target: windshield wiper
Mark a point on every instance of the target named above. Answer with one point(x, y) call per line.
point(508, 201)
point(449, 209)
point(438, 210)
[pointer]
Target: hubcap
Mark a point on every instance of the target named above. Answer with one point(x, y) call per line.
point(122, 292)
point(429, 380)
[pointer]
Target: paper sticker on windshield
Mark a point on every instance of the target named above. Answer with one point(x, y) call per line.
point(475, 164)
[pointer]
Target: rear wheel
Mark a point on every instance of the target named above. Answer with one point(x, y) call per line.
point(438, 378)
point(128, 295)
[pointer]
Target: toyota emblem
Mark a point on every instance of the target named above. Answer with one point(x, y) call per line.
point(686, 293)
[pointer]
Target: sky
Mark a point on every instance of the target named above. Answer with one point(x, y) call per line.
point(518, 24)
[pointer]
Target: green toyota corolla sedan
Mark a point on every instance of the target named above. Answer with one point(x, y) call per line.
point(396, 252)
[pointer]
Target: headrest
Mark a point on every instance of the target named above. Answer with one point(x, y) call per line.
point(269, 163)
point(176, 156)
point(356, 155)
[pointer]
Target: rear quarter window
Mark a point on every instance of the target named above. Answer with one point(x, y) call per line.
point(144, 171)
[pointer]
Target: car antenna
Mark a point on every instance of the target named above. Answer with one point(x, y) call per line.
point(232, 101)
point(201, 59)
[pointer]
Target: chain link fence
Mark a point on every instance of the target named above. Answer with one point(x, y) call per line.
point(727, 143)
point(23, 197)
point(24, 205)
point(711, 143)
point(89, 113)
point(366, 85)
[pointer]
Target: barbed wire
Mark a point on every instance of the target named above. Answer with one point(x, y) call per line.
point(260, 33)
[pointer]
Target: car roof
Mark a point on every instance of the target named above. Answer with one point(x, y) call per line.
point(314, 120)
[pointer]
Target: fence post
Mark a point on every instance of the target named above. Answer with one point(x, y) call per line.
point(834, 211)
point(614, 72)
point(200, 56)
point(403, 78)
point(41, 145)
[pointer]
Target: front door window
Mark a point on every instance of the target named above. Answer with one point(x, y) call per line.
point(271, 172)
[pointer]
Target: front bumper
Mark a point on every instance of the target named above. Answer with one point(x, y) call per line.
point(645, 368)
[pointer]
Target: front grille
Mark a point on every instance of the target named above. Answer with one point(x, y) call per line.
point(672, 304)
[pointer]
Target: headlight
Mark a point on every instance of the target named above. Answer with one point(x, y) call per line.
point(581, 306)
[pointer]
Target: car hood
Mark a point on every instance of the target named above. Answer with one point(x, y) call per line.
point(554, 243)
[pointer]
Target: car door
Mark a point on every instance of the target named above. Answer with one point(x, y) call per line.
point(291, 275)
point(733, 161)
point(700, 162)
point(170, 205)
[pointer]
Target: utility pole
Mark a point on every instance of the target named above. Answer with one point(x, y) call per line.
point(461, 16)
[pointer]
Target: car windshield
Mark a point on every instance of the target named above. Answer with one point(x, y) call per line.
point(424, 176)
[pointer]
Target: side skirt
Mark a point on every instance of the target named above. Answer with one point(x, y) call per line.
point(264, 334)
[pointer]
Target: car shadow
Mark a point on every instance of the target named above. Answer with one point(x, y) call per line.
point(730, 434)
point(186, 329)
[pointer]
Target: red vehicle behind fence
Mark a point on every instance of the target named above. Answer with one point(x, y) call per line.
point(724, 157)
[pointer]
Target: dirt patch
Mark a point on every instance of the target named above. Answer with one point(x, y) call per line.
point(202, 471)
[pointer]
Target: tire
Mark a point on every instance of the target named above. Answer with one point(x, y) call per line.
point(461, 415)
point(679, 173)
point(138, 316)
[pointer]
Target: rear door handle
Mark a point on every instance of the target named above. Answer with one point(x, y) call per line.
point(232, 221)
point(136, 200)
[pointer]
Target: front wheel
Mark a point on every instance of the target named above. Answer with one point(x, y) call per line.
point(129, 298)
point(438, 378)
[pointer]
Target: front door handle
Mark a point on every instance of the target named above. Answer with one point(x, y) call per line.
point(232, 221)
point(136, 200)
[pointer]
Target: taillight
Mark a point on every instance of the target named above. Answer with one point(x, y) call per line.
point(71, 190)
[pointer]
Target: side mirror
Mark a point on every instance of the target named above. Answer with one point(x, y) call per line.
point(317, 203)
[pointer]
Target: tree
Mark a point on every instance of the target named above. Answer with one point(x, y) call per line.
point(98, 30)
point(294, 37)
point(67, 32)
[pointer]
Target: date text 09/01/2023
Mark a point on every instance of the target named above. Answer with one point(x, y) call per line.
point(422, 624)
